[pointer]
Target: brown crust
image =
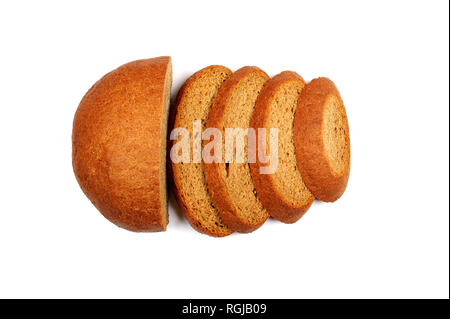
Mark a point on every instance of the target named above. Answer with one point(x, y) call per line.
point(216, 185)
point(173, 179)
point(116, 134)
point(272, 199)
point(310, 150)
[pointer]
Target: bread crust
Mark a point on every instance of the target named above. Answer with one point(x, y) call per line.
point(116, 144)
point(269, 194)
point(216, 184)
point(174, 183)
point(312, 158)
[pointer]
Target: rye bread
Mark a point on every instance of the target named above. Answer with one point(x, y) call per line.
point(188, 183)
point(322, 140)
point(283, 193)
point(230, 184)
point(119, 144)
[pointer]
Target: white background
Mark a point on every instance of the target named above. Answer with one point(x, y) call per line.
point(387, 237)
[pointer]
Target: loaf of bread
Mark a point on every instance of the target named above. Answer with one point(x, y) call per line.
point(322, 140)
point(230, 184)
point(193, 103)
point(283, 193)
point(122, 150)
point(119, 144)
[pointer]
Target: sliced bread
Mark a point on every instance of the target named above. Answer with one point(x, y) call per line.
point(193, 103)
point(119, 144)
point(322, 140)
point(230, 184)
point(283, 193)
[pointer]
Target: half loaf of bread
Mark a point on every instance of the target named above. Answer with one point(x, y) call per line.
point(283, 192)
point(322, 140)
point(119, 144)
point(193, 103)
point(230, 184)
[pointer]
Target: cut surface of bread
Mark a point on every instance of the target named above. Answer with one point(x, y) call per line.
point(119, 144)
point(283, 193)
point(193, 103)
point(230, 184)
point(322, 140)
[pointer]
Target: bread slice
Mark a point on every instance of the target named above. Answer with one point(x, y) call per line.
point(194, 102)
point(283, 193)
point(230, 184)
point(119, 144)
point(322, 140)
